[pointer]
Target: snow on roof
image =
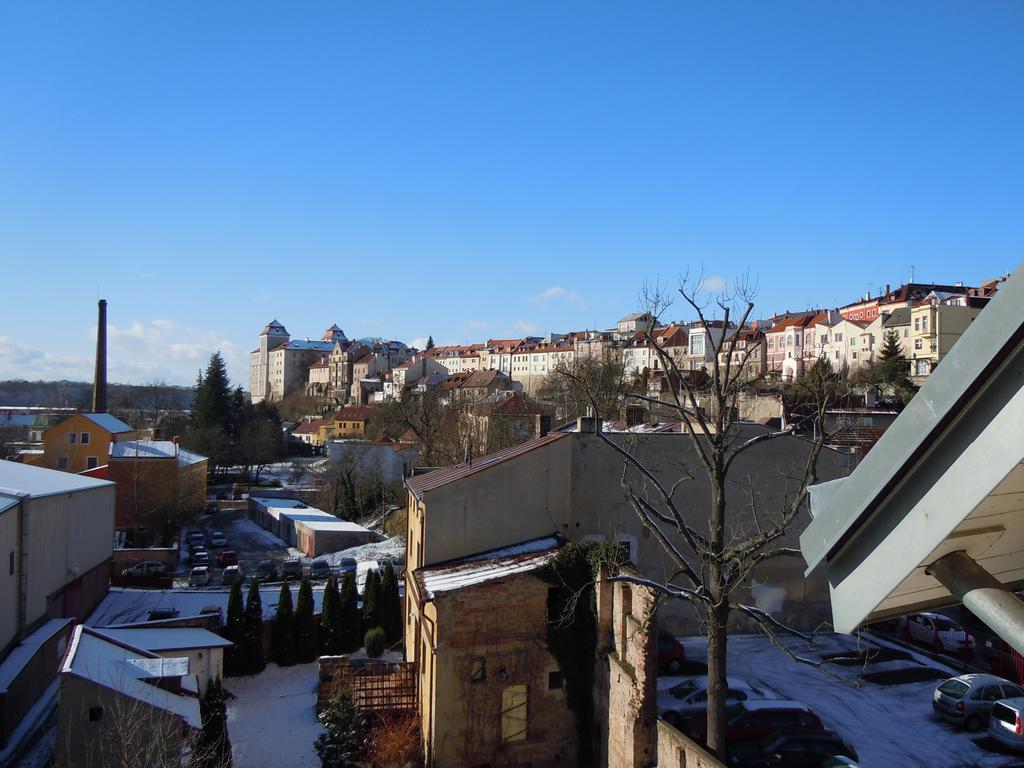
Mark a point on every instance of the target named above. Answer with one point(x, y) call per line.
point(166, 639)
point(23, 653)
point(333, 524)
point(6, 502)
point(271, 503)
point(154, 449)
point(124, 606)
point(19, 480)
point(120, 667)
point(319, 346)
point(110, 423)
point(486, 566)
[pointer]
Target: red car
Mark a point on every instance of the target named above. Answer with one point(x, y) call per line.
point(756, 718)
point(671, 654)
point(227, 557)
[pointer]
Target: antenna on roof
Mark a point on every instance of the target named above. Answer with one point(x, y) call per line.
point(911, 273)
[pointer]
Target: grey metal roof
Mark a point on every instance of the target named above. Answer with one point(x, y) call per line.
point(110, 423)
point(899, 316)
point(943, 477)
point(23, 479)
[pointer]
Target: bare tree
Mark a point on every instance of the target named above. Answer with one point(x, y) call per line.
point(712, 550)
point(442, 425)
point(585, 386)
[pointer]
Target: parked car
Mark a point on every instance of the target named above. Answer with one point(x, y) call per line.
point(265, 571)
point(232, 574)
point(291, 568)
point(218, 539)
point(968, 699)
point(756, 718)
point(938, 632)
point(347, 564)
point(791, 750)
point(1007, 723)
point(689, 698)
point(1001, 659)
point(199, 576)
point(200, 557)
point(671, 655)
point(147, 568)
point(227, 557)
point(319, 569)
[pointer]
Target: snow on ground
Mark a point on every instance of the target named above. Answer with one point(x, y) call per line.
point(272, 721)
point(889, 725)
point(378, 550)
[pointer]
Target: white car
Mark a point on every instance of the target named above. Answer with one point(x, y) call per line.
point(218, 539)
point(199, 576)
point(938, 632)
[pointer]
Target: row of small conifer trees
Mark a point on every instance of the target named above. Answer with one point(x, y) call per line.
point(299, 636)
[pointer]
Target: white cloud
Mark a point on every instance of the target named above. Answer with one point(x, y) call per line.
point(713, 284)
point(526, 328)
point(18, 361)
point(420, 342)
point(555, 292)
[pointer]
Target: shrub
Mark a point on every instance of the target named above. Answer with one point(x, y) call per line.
point(375, 640)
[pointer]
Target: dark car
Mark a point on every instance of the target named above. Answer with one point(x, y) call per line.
point(227, 557)
point(671, 655)
point(319, 569)
point(291, 568)
point(200, 557)
point(791, 750)
point(756, 718)
point(147, 568)
point(265, 571)
point(1002, 659)
point(346, 564)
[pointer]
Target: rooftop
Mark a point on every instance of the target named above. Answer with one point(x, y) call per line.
point(486, 566)
point(110, 423)
point(154, 449)
point(17, 480)
point(166, 639)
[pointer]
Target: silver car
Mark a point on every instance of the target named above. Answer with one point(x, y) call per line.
point(1007, 723)
point(968, 699)
point(690, 698)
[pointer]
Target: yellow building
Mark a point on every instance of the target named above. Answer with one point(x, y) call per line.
point(351, 422)
point(936, 323)
point(81, 442)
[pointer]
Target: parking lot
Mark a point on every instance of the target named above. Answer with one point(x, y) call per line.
point(889, 722)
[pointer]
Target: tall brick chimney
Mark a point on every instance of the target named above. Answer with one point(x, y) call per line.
point(99, 386)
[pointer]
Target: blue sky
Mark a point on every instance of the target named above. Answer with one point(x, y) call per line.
point(475, 170)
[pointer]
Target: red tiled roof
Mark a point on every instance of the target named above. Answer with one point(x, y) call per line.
point(309, 427)
point(420, 484)
point(354, 413)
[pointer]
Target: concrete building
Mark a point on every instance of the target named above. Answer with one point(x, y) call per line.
point(122, 705)
point(489, 688)
point(203, 649)
point(312, 530)
point(280, 365)
point(936, 323)
point(569, 482)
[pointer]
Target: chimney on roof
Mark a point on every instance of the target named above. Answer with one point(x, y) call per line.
point(887, 291)
point(99, 385)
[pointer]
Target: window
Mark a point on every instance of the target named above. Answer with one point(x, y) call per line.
point(839, 337)
point(72, 438)
point(918, 344)
point(555, 680)
point(924, 323)
point(514, 703)
point(11, 565)
point(854, 355)
point(92, 462)
point(62, 463)
point(95, 714)
point(917, 324)
point(84, 439)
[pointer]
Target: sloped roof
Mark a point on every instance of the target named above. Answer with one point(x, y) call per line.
point(482, 567)
point(124, 668)
point(309, 427)
point(154, 449)
point(112, 424)
point(420, 484)
point(899, 316)
point(18, 479)
point(165, 638)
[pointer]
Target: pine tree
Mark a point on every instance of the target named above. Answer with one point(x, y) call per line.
point(252, 632)
point(305, 625)
point(329, 636)
point(213, 748)
point(892, 367)
point(350, 620)
point(212, 406)
point(282, 637)
point(234, 656)
point(430, 342)
point(343, 742)
point(390, 606)
point(371, 599)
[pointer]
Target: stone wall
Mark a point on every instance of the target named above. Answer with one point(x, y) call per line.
point(677, 751)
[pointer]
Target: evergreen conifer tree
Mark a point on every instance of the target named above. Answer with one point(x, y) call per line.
point(234, 656)
point(252, 632)
point(343, 742)
point(212, 406)
point(371, 600)
point(282, 637)
point(213, 748)
point(350, 620)
point(329, 635)
point(892, 367)
point(430, 342)
point(390, 606)
point(305, 625)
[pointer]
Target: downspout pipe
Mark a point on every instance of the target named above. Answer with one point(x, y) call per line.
point(983, 595)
